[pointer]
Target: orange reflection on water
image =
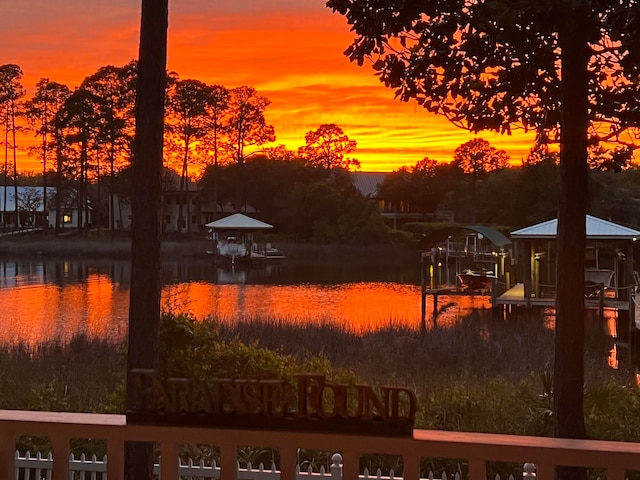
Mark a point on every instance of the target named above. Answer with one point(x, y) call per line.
point(28, 313)
point(40, 313)
point(99, 304)
point(98, 308)
point(357, 306)
point(354, 306)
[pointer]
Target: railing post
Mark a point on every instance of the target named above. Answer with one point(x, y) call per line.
point(477, 469)
point(411, 467)
point(616, 474)
point(545, 471)
point(228, 462)
point(115, 459)
point(287, 464)
point(168, 460)
point(336, 466)
point(350, 465)
point(60, 451)
point(7, 455)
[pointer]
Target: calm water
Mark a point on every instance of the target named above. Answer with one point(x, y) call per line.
point(45, 299)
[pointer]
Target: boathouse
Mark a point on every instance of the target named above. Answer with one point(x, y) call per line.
point(609, 257)
point(611, 276)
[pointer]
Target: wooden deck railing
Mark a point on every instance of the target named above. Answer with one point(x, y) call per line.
point(617, 458)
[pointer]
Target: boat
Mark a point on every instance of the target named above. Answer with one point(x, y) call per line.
point(231, 249)
point(476, 280)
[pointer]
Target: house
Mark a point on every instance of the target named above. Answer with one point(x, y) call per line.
point(368, 184)
point(29, 210)
point(180, 207)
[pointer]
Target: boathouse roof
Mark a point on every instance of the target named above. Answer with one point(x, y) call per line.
point(597, 229)
point(238, 221)
point(439, 236)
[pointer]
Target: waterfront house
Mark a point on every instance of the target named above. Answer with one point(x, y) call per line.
point(396, 212)
point(29, 209)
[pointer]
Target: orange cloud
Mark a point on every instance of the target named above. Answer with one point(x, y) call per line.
point(289, 50)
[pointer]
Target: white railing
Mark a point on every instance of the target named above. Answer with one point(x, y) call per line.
point(616, 458)
point(93, 469)
point(40, 467)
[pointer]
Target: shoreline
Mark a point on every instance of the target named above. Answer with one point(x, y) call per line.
point(39, 245)
point(105, 246)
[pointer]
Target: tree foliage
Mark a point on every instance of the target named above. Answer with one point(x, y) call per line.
point(303, 201)
point(494, 65)
point(328, 146)
point(477, 157)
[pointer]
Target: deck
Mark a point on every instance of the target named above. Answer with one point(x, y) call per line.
point(516, 296)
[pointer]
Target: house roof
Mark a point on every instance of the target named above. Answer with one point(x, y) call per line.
point(238, 221)
point(368, 182)
point(597, 229)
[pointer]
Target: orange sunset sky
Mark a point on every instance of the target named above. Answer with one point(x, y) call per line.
point(289, 50)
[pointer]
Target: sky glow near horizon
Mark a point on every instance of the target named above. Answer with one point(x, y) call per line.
point(289, 50)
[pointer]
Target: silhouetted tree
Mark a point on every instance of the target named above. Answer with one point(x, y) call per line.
point(476, 158)
point(11, 90)
point(113, 95)
point(80, 118)
point(188, 121)
point(40, 111)
point(327, 146)
point(246, 126)
point(217, 110)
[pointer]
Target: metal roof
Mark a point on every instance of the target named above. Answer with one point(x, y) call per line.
point(238, 221)
point(440, 236)
point(597, 229)
point(368, 182)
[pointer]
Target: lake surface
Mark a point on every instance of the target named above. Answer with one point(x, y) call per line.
point(44, 299)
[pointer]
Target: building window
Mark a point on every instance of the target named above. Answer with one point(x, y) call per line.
point(167, 219)
point(66, 218)
point(193, 220)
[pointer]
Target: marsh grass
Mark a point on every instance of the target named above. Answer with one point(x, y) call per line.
point(83, 375)
point(480, 345)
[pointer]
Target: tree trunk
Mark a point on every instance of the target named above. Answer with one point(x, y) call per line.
point(58, 198)
point(15, 163)
point(111, 186)
point(569, 335)
point(84, 158)
point(6, 169)
point(45, 135)
point(144, 306)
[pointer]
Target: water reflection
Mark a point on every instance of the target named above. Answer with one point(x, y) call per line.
point(45, 299)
